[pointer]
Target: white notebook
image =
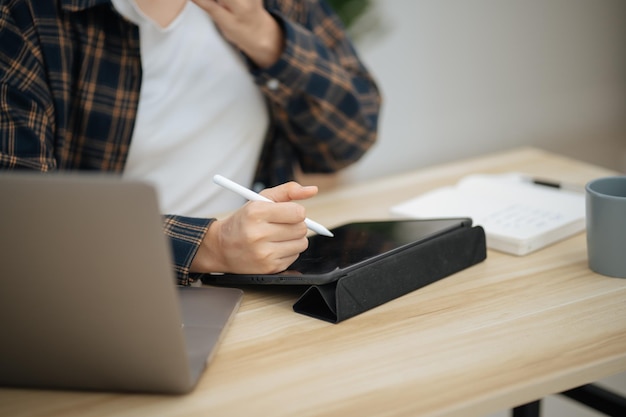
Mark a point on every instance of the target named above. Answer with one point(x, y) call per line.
point(518, 216)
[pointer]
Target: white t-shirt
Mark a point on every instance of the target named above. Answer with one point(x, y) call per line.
point(199, 114)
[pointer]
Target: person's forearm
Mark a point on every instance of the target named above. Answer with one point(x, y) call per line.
point(265, 48)
point(325, 99)
point(249, 27)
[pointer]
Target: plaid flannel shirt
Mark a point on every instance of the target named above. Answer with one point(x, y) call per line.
point(70, 75)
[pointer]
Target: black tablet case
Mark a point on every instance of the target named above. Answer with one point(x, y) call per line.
point(393, 276)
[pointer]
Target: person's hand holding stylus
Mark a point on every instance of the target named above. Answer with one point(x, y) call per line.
point(252, 196)
point(263, 236)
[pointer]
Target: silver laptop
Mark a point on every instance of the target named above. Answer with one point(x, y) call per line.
point(87, 291)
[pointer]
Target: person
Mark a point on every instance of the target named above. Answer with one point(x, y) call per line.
point(174, 91)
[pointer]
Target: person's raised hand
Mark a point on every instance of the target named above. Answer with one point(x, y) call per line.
point(248, 26)
point(260, 237)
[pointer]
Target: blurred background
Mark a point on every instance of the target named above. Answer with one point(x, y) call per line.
point(464, 77)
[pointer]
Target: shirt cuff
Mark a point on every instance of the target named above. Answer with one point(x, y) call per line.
point(185, 235)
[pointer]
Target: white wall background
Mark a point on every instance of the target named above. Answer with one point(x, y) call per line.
point(464, 77)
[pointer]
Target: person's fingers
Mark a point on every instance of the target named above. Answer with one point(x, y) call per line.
point(290, 191)
point(215, 10)
point(281, 232)
point(283, 212)
point(228, 9)
point(266, 257)
point(248, 26)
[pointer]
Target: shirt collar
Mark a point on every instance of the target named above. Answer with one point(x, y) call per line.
point(78, 5)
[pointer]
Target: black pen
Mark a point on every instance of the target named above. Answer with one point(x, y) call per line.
point(555, 184)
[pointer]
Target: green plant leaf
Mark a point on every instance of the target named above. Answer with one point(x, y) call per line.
point(349, 10)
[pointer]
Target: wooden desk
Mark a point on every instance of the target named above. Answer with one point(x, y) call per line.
point(502, 333)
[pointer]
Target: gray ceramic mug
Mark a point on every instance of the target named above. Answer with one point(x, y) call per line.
point(606, 225)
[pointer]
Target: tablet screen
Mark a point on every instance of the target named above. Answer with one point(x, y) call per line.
point(356, 242)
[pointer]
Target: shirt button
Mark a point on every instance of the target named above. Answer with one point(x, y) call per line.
point(258, 186)
point(272, 84)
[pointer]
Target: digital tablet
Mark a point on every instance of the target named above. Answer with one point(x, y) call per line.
point(355, 245)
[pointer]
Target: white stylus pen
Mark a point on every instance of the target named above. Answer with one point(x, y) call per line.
point(252, 196)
